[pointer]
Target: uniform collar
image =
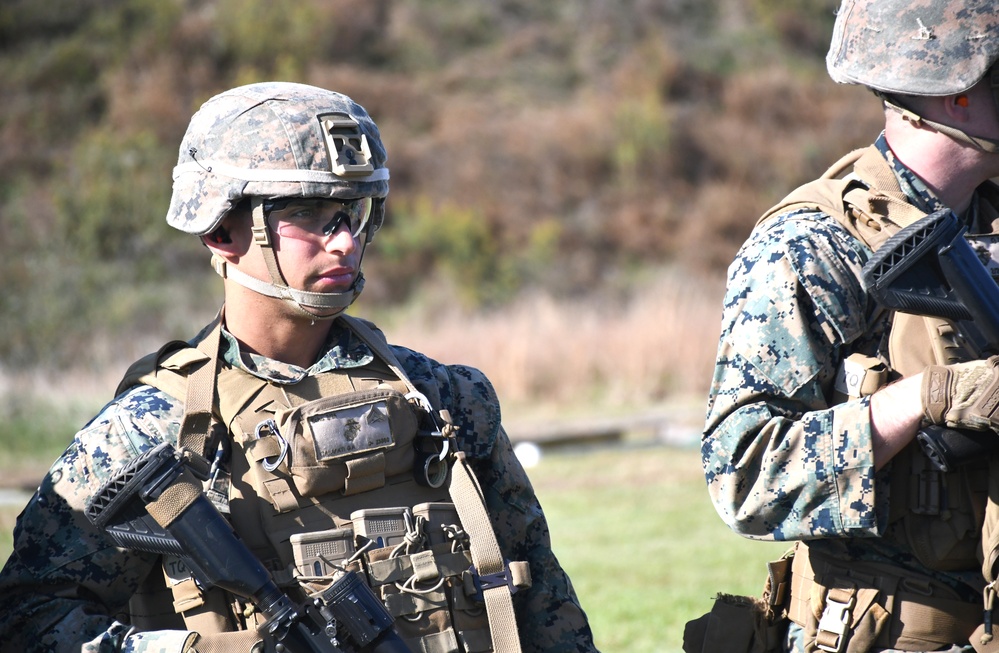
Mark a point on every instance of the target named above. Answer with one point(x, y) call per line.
point(343, 350)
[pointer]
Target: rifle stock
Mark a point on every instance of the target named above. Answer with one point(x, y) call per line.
point(928, 268)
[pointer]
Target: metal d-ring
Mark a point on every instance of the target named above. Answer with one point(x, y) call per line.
point(271, 425)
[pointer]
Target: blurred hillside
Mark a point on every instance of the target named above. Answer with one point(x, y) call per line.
point(565, 147)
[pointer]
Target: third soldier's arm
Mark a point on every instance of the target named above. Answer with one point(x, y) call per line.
point(781, 461)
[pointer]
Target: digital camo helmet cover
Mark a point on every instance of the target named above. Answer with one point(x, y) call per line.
point(914, 47)
point(274, 139)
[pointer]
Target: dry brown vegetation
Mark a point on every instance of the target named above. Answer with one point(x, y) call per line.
point(548, 356)
point(569, 179)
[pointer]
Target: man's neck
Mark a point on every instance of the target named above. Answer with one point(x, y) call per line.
point(270, 328)
point(951, 170)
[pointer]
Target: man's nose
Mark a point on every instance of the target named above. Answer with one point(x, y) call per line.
point(341, 239)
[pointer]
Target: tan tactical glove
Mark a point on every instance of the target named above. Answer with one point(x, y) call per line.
point(242, 640)
point(963, 395)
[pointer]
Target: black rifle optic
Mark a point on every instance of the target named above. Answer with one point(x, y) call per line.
point(928, 268)
point(154, 504)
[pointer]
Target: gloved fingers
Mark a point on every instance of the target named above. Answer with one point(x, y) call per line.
point(963, 395)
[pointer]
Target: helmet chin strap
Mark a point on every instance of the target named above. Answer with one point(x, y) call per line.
point(313, 305)
point(980, 143)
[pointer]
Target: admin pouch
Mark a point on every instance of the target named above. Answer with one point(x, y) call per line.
point(351, 470)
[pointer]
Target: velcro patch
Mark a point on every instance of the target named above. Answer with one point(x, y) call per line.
point(350, 431)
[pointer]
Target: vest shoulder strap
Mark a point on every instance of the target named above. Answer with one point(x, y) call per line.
point(374, 338)
point(165, 369)
point(823, 194)
point(861, 192)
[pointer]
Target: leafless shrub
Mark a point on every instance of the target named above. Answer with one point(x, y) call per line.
point(548, 353)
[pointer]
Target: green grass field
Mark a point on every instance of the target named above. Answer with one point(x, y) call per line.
point(644, 547)
point(635, 530)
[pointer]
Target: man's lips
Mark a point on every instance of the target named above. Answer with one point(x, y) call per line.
point(343, 276)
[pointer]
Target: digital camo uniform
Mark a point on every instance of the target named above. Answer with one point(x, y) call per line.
point(67, 586)
point(794, 307)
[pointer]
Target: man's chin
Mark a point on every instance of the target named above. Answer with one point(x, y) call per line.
point(317, 315)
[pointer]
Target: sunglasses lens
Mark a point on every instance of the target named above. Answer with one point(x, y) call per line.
point(354, 213)
point(308, 218)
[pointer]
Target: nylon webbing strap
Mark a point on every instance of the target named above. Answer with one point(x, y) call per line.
point(888, 204)
point(486, 556)
point(991, 529)
point(201, 394)
point(988, 637)
point(379, 346)
point(471, 507)
point(920, 619)
point(261, 236)
point(978, 142)
point(278, 286)
point(187, 595)
point(863, 211)
point(175, 499)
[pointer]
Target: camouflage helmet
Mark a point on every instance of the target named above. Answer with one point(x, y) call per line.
point(274, 139)
point(914, 47)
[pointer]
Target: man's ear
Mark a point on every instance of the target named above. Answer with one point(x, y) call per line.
point(231, 237)
point(956, 107)
point(220, 243)
point(220, 236)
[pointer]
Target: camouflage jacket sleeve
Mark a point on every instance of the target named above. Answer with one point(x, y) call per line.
point(549, 615)
point(781, 461)
point(65, 582)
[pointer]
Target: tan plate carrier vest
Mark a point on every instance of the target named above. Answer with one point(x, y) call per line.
point(306, 509)
point(846, 605)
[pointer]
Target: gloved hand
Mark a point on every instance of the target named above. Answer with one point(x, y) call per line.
point(963, 395)
point(240, 640)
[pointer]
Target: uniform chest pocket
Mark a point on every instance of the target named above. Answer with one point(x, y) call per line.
point(355, 439)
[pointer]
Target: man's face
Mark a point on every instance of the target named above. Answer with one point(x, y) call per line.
point(317, 243)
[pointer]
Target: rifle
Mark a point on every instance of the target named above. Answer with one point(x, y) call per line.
point(155, 504)
point(928, 268)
